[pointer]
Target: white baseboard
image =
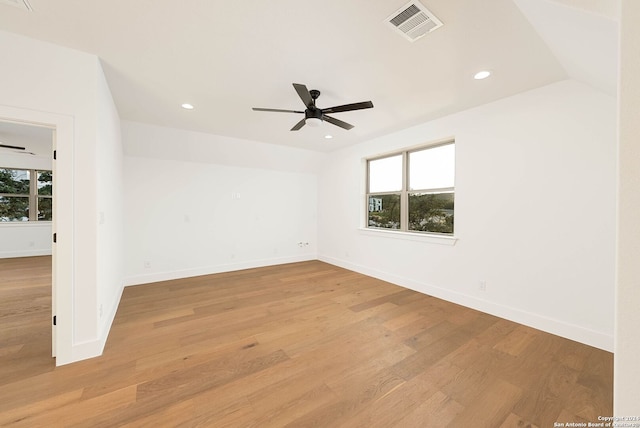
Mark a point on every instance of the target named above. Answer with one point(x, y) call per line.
point(92, 348)
point(209, 270)
point(530, 319)
point(80, 351)
point(24, 253)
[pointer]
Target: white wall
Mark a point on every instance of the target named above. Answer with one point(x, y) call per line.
point(159, 142)
point(242, 204)
point(627, 347)
point(44, 83)
point(535, 212)
point(25, 239)
point(109, 203)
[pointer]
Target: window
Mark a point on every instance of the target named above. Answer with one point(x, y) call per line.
point(25, 195)
point(412, 191)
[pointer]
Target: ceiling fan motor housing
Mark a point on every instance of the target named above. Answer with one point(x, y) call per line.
point(313, 113)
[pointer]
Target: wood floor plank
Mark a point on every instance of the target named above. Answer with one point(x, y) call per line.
point(492, 409)
point(36, 408)
point(438, 411)
point(517, 341)
point(515, 421)
point(301, 344)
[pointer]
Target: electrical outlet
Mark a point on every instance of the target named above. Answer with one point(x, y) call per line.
point(482, 285)
point(147, 264)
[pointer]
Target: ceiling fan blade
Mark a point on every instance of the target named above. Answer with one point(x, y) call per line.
point(6, 146)
point(304, 94)
point(299, 125)
point(276, 110)
point(348, 107)
point(337, 122)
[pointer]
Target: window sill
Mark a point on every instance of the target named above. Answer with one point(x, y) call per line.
point(24, 223)
point(410, 236)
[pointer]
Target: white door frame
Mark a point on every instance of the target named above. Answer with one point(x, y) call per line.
point(63, 214)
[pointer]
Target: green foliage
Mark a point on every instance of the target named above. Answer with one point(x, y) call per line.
point(45, 183)
point(15, 194)
point(14, 208)
point(431, 212)
point(45, 209)
point(389, 216)
point(14, 181)
point(428, 212)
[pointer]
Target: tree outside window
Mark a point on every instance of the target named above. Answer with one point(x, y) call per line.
point(25, 195)
point(413, 190)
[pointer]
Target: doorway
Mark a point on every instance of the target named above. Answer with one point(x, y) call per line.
point(27, 225)
point(62, 270)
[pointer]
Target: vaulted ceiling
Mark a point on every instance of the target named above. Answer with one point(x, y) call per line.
point(226, 57)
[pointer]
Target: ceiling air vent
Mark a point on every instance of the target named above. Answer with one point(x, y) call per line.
point(22, 4)
point(413, 21)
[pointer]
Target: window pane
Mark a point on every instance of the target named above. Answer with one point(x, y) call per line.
point(15, 181)
point(45, 209)
point(45, 183)
point(385, 175)
point(14, 208)
point(431, 212)
point(432, 168)
point(384, 211)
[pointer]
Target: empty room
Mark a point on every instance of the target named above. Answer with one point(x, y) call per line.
point(330, 214)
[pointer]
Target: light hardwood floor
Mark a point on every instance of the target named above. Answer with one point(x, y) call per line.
point(298, 345)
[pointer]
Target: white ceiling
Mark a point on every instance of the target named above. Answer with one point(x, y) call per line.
point(228, 56)
point(583, 39)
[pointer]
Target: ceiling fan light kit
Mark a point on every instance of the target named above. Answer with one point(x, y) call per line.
point(314, 122)
point(314, 116)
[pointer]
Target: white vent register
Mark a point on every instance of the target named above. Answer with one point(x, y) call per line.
point(413, 21)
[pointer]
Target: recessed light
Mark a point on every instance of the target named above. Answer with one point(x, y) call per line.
point(187, 106)
point(482, 75)
point(328, 137)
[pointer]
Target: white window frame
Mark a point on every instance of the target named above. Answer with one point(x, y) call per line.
point(33, 195)
point(404, 232)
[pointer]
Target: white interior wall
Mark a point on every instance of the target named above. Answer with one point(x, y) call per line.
point(109, 203)
point(25, 239)
point(627, 346)
point(242, 204)
point(157, 142)
point(46, 83)
point(535, 212)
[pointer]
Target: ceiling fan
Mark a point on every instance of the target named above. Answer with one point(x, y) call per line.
point(314, 115)
point(20, 149)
